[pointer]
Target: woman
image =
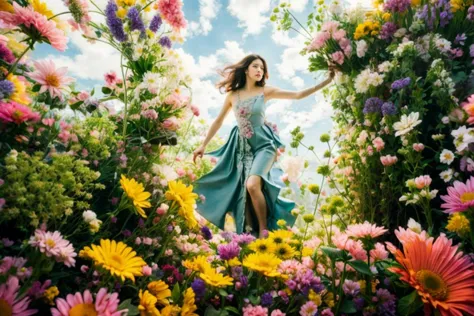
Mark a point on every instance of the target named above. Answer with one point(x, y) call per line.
point(245, 166)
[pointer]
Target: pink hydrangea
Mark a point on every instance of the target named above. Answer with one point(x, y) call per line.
point(172, 13)
point(255, 311)
point(338, 57)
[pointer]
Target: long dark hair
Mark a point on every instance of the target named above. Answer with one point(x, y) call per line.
point(234, 75)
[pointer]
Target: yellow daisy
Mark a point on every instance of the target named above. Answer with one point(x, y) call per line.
point(170, 310)
point(188, 304)
point(136, 193)
point(147, 306)
point(213, 278)
point(199, 264)
point(160, 290)
point(41, 8)
point(262, 246)
point(285, 251)
point(185, 197)
point(280, 236)
point(116, 257)
point(265, 263)
point(19, 93)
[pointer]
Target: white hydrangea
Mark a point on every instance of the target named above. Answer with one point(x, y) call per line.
point(402, 47)
point(367, 79)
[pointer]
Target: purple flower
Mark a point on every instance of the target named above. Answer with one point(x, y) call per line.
point(267, 299)
point(445, 14)
point(428, 18)
point(351, 287)
point(470, 13)
point(155, 23)
point(6, 54)
point(6, 88)
point(127, 233)
point(228, 236)
point(388, 108)
point(236, 272)
point(199, 287)
point(136, 22)
point(386, 302)
point(359, 303)
point(471, 50)
point(244, 281)
point(401, 83)
point(397, 5)
point(387, 31)
point(141, 223)
point(206, 232)
point(114, 23)
point(372, 105)
point(165, 42)
point(460, 38)
point(228, 251)
point(243, 239)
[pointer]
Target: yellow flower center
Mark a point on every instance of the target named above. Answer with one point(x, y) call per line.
point(83, 310)
point(467, 197)
point(50, 243)
point(116, 261)
point(52, 80)
point(5, 308)
point(433, 284)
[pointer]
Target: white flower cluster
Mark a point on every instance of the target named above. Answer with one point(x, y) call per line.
point(443, 81)
point(463, 136)
point(91, 218)
point(404, 47)
point(367, 79)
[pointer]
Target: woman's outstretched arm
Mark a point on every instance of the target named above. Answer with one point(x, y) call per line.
point(276, 93)
point(215, 126)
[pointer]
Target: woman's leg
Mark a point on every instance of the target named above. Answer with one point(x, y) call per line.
point(254, 187)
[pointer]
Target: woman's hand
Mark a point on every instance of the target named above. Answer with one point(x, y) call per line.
point(199, 152)
point(332, 72)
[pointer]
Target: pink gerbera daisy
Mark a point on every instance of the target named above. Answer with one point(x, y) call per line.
point(50, 78)
point(12, 112)
point(309, 309)
point(10, 303)
point(460, 197)
point(106, 304)
point(364, 230)
point(35, 22)
point(53, 245)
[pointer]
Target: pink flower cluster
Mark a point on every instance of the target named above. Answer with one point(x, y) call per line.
point(29, 18)
point(15, 264)
point(365, 230)
point(53, 245)
point(172, 13)
point(388, 160)
point(12, 112)
point(330, 30)
point(255, 311)
point(422, 182)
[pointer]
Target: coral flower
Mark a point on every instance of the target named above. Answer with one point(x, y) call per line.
point(468, 106)
point(116, 257)
point(460, 197)
point(50, 78)
point(13, 112)
point(443, 277)
point(10, 303)
point(83, 304)
point(136, 193)
point(35, 22)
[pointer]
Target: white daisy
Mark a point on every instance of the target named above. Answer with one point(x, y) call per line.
point(446, 175)
point(406, 123)
point(447, 156)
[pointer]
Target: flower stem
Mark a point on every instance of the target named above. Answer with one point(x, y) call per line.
point(12, 68)
point(125, 101)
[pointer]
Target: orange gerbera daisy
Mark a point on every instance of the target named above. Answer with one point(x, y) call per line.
point(442, 276)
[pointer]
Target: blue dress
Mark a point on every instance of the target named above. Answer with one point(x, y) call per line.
point(251, 149)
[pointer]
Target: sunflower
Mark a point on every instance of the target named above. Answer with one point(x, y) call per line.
point(136, 193)
point(265, 263)
point(280, 236)
point(185, 197)
point(441, 275)
point(213, 278)
point(160, 290)
point(285, 251)
point(199, 264)
point(116, 257)
point(188, 304)
point(262, 246)
point(170, 310)
point(147, 306)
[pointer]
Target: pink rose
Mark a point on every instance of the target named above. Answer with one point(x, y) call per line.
point(378, 143)
point(195, 110)
point(338, 57)
point(146, 270)
point(418, 147)
point(388, 160)
point(422, 181)
point(171, 124)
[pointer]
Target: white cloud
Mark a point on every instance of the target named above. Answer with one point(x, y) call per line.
point(208, 10)
point(251, 14)
point(297, 5)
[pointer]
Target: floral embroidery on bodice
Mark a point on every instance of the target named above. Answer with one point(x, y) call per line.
point(243, 112)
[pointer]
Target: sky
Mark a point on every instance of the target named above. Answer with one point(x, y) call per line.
point(219, 33)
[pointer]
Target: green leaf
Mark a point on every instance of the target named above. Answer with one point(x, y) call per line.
point(176, 293)
point(333, 253)
point(254, 300)
point(211, 311)
point(360, 266)
point(348, 307)
point(232, 309)
point(132, 309)
point(76, 105)
point(92, 92)
point(36, 88)
point(106, 90)
point(223, 292)
point(409, 304)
